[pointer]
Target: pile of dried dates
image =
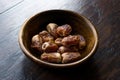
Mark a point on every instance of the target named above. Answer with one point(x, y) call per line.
point(57, 45)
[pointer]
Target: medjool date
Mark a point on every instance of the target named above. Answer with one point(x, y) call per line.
point(53, 57)
point(64, 30)
point(70, 40)
point(51, 28)
point(63, 49)
point(49, 47)
point(46, 36)
point(70, 57)
point(58, 41)
point(37, 42)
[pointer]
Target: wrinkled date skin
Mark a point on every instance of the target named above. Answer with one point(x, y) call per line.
point(58, 41)
point(68, 57)
point(46, 36)
point(51, 28)
point(53, 57)
point(63, 49)
point(37, 42)
point(64, 30)
point(49, 47)
point(70, 40)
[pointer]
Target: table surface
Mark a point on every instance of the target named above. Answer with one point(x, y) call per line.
point(104, 65)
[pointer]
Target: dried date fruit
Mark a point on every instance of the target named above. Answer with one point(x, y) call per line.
point(49, 47)
point(58, 41)
point(68, 57)
point(63, 49)
point(57, 45)
point(64, 30)
point(82, 42)
point(53, 57)
point(70, 40)
point(51, 27)
point(46, 36)
point(37, 42)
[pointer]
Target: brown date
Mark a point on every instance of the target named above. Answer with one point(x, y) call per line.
point(37, 42)
point(49, 47)
point(70, 40)
point(51, 27)
point(63, 49)
point(70, 57)
point(64, 30)
point(58, 41)
point(46, 36)
point(53, 57)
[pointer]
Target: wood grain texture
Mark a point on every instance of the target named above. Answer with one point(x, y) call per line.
point(7, 4)
point(104, 65)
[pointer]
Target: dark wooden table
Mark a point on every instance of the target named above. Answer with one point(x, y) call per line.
point(104, 65)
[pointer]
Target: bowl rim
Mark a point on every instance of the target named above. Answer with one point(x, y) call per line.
point(29, 54)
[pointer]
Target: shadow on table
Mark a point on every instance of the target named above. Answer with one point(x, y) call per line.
point(86, 71)
point(33, 71)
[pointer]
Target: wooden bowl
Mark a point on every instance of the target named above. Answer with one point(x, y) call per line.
point(38, 22)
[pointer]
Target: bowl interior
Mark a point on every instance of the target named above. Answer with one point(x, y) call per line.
point(80, 25)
